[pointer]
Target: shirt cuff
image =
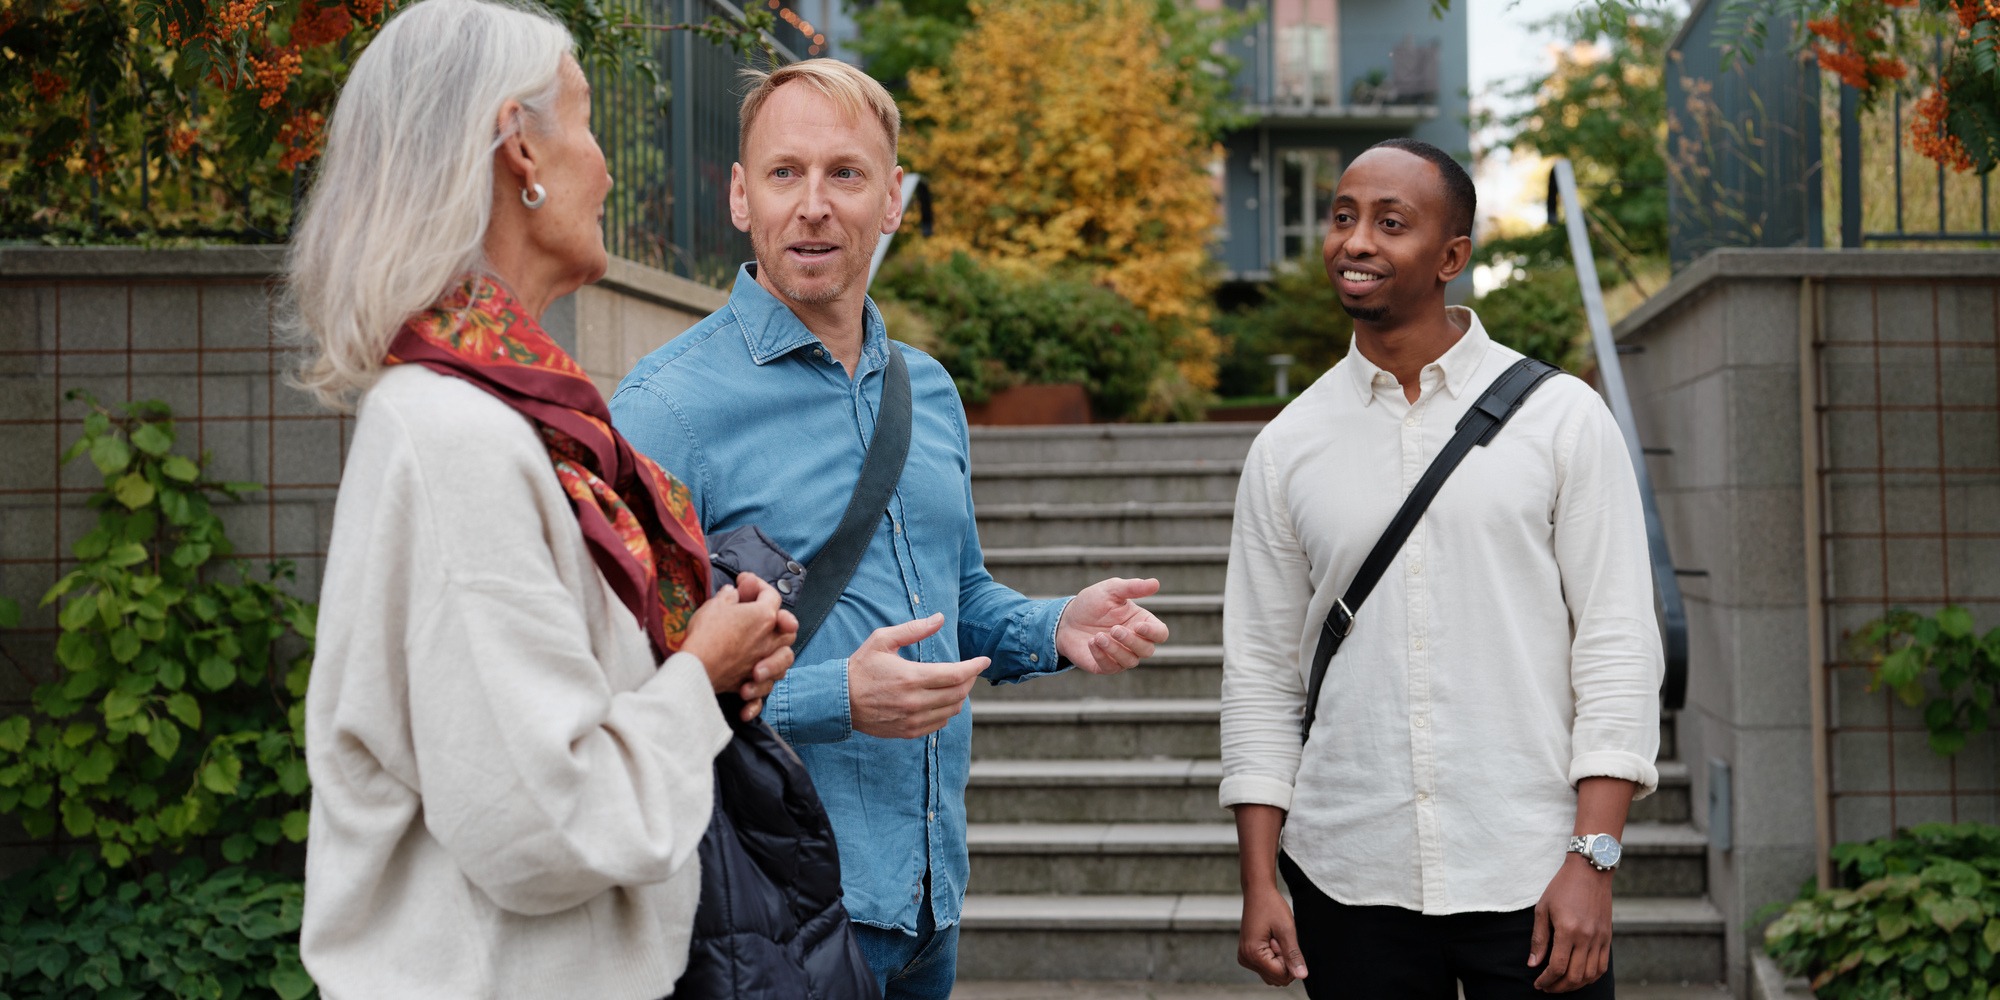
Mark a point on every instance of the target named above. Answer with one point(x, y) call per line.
point(810, 704)
point(1028, 647)
point(1616, 764)
point(1255, 790)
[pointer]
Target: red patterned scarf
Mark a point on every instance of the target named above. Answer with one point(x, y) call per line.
point(637, 518)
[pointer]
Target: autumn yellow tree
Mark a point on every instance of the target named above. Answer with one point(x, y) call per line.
point(1065, 134)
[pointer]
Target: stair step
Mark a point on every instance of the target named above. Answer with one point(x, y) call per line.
point(1661, 860)
point(1106, 482)
point(1192, 938)
point(1170, 790)
point(1069, 568)
point(1125, 522)
point(1176, 670)
point(1111, 442)
point(1095, 727)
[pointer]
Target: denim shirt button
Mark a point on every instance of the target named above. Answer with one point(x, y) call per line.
point(1034, 657)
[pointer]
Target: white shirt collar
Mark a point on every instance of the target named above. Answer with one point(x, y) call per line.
point(1457, 363)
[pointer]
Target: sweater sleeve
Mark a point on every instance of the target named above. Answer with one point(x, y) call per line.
point(544, 784)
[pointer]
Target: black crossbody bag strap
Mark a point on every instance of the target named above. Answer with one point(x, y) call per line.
point(827, 575)
point(1477, 427)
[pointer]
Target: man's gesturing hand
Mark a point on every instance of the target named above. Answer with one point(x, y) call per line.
point(1103, 632)
point(895, 698)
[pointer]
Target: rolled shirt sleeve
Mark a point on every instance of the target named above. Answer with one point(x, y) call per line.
point(1616, 664)
point(1265, 604)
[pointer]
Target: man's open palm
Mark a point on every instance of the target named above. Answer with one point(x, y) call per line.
point(1103, 632)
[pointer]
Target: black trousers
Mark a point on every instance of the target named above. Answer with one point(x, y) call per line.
point(1389, 953)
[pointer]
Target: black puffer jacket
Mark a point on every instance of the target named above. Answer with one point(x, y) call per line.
point(770, 924)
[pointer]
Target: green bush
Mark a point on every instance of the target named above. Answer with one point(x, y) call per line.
point(993, 329)
point(74, 928)
point(1540, 314)
point(1941, 663)
point(174, 720)
point(1299, 315)
point(1918, 917)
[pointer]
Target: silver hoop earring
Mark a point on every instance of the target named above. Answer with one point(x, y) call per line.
point(535, 201)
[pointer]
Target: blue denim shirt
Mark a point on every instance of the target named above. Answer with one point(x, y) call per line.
point(766, 428)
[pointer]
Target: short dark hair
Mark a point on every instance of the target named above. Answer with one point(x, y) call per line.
point(1459, 195)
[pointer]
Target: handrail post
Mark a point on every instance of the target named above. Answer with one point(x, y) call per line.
point(1673, 612)
point(914, 187)
point(1850, 168)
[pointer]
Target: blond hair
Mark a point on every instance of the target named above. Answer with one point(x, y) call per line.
point(855, 93)
point(405, 192)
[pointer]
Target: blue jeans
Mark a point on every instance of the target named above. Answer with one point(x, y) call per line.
point(920, 966)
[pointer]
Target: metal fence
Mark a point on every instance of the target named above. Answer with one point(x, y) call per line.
point(1757, 150)
point(670, 152)
point(1743, 143)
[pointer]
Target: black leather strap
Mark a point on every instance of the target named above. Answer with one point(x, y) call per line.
point(828, 573)
point(1477, 427)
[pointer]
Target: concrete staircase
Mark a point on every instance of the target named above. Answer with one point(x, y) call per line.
point(1098, 850)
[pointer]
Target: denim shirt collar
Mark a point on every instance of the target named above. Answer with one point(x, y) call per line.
point(771, 330)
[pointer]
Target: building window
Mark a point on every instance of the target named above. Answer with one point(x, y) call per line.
point(1308, 37)
point(1306, 179)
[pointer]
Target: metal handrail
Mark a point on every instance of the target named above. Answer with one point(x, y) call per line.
point(1666, 584)
point(914, 186)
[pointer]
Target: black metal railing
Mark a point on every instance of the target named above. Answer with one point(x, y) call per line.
point(1611, 379)
point(1951, 195)
point(669, 155)
point(1750, 163)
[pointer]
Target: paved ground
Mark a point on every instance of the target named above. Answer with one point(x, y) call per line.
point(1076, 990)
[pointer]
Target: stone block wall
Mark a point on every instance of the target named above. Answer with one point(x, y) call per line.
point(1901, 380)
point(195, 329)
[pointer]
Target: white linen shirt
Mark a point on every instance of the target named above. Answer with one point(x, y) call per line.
point(1509, 651)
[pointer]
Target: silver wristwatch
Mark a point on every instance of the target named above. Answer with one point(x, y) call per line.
point(1602, 850)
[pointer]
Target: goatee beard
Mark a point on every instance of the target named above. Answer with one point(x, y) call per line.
point(1365, 314)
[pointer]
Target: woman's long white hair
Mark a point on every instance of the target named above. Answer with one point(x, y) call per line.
point(405, 189)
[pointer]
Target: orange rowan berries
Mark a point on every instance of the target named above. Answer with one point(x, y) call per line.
point(181, 138)
point(317, 26)
point(303, 134)
point(49, 86)
point(275, 74)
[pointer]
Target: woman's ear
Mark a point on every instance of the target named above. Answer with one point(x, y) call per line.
point(516, 154)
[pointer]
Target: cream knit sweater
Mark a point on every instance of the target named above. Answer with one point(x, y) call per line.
point(507, 789)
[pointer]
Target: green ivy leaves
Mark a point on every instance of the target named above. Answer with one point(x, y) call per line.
point(174, 715)
point(1941, 663)
point(1924, 920)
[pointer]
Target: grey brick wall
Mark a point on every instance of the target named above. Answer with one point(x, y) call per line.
point(194, 328)
point(1902, 382)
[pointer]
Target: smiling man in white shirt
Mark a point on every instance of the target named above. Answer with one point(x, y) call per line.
point(1481, 733)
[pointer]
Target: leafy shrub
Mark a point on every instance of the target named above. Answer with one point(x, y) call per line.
point(994, 327)
point(74, 928)
point(1540, 314)
point(1941, 663)
point(174, 722)
point(1299, 315)
point(1921, 919)
point(177, 713)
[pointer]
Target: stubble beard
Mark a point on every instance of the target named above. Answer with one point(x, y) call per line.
point(768, 253)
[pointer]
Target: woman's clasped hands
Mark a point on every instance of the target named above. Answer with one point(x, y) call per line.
point(743, 637)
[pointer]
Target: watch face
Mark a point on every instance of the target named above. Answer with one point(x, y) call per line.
point(1605, 850)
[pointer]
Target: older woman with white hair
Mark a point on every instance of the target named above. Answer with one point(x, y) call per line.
point(512, 718)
